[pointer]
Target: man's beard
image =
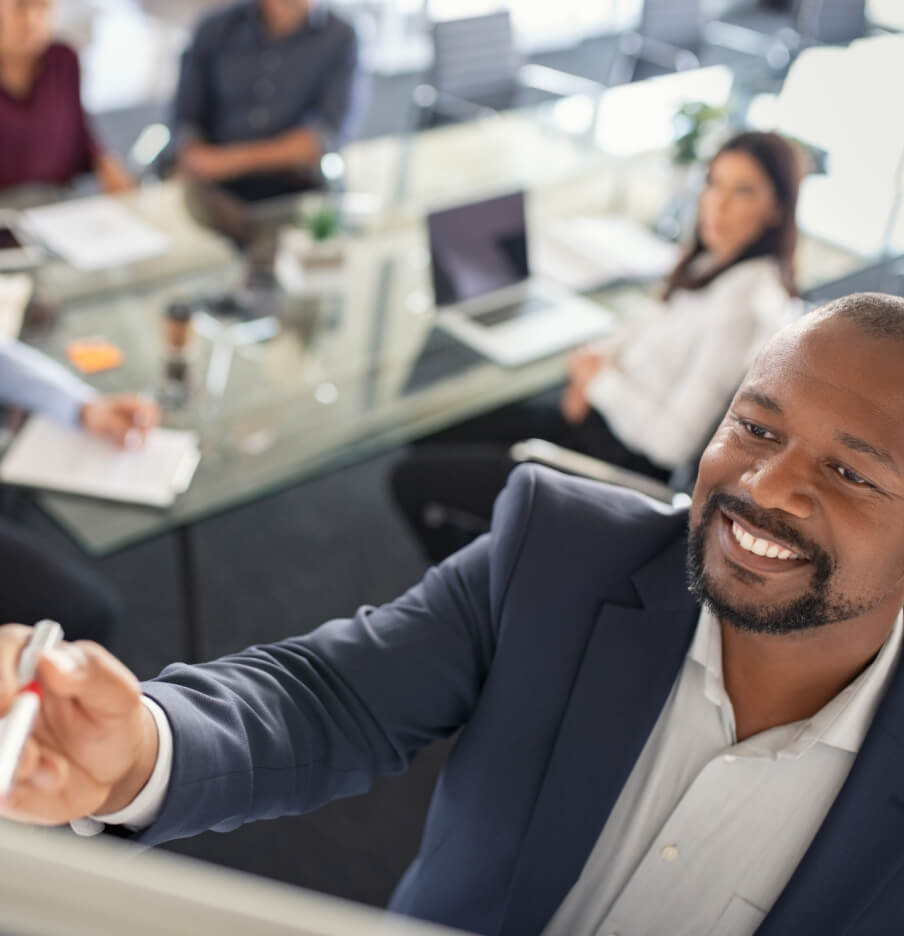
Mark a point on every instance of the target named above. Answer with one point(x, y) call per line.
point(816, 608)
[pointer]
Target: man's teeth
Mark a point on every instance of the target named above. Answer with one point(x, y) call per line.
point(759, 546)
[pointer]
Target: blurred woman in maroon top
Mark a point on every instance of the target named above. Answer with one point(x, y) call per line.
point(44, 132)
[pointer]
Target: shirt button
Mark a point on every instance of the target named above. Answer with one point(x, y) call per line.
point(669, 853)
point(258, 117)
point(264, 89)
point(270, 60)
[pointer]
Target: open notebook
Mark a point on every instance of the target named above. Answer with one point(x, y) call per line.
point(15, 291)
point(47, 455)
point(95, 233)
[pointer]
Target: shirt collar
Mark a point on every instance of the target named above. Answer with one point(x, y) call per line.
point(316, 19)
point(842, 722)
point(706, 649)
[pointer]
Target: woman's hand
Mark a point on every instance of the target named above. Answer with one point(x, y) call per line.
point(583, 366)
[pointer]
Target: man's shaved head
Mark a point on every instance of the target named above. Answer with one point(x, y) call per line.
point(877, 315)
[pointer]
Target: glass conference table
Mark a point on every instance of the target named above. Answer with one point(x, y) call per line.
point(353, 370)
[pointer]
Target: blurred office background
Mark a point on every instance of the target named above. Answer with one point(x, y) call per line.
point(296, 554)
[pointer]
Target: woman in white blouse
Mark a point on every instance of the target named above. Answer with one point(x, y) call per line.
point(647, 398)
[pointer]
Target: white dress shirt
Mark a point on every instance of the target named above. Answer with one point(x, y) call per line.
point(707, 831)
point(672, 369)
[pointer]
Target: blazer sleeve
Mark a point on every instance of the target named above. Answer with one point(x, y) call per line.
point(284, 728)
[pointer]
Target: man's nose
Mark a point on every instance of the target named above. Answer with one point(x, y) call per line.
point(780, 481)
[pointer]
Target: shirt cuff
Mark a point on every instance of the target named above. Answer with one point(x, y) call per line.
point(326, 136)
point(145, 808)
point(69, 412)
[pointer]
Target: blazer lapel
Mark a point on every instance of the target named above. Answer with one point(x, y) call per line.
point(860, 844)
point(632, 659)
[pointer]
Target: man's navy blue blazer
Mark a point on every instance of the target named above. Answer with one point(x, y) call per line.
point(553, 642)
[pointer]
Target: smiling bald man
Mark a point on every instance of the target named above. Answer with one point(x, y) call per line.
point(668, 724)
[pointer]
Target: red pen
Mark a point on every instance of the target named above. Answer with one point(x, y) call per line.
point(16, 727)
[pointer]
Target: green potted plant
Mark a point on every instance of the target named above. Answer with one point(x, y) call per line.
point(695, 122)
point(311, 252)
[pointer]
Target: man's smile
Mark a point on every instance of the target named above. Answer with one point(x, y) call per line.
point(746, 546)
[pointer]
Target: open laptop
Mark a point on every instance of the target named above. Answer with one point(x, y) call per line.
point(53, 884)
point(485, 294)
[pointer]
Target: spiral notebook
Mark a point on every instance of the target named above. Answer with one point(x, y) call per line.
point(58, 458)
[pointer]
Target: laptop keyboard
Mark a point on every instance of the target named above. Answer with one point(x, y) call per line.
point(529, 306)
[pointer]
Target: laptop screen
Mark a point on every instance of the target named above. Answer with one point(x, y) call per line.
point(478, 248)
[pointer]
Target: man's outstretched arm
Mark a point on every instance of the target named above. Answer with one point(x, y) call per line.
point(276, 729)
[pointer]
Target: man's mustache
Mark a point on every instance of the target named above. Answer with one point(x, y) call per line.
point(768, 523)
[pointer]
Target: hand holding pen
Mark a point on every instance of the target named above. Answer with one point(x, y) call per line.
point(17, 726)
point(124, 418)
point(92, 743)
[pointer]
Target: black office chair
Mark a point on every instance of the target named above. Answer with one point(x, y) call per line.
point(541, 452)
point(885, 275)
point(477, 71)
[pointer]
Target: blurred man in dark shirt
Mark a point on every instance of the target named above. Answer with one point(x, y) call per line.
point(266, 88)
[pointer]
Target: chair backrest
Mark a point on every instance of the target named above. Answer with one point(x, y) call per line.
point(886, 276)
point(831, 22)
point(835, 99)
point(475, 59)
point(676, 22)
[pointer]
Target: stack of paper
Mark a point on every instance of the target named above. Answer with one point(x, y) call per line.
point(47, 455)
point(95, 233)
point(15, 291)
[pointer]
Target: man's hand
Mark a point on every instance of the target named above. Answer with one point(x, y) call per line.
point(294, 150)
point(213, 163)
point(123, 418)
point(583, 366)
point(94, 743)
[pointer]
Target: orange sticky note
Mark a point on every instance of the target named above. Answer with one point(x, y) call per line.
point(93, 355)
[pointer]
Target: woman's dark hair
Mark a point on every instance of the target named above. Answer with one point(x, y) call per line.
point(778, 159)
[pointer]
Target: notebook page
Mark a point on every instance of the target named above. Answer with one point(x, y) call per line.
point(47, 455)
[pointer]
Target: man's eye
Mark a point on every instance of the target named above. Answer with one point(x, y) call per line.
point(758, 432)
point(852, 476)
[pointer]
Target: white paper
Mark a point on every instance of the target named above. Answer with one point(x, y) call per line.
point(95, 233)
point(589, 252)
point(15, 291)
point(47, 455)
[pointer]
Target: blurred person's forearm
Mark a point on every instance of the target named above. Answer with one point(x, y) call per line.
point(112, 174)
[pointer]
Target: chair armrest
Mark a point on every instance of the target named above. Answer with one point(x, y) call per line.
point(559, 83)
point(777, 50)
point(657, 52)
point(148, 154)
point(428, 98)
point(554, 456)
